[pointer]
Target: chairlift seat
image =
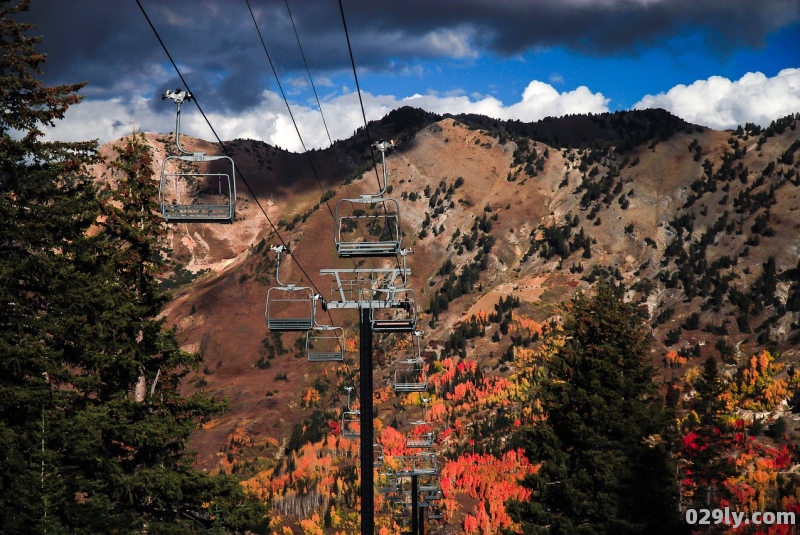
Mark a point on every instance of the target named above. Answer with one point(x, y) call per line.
point(410, 376)
point(325, 344)
point(423, 440)
point(349, 420)
point(206, 208)
point(395, 299)
point(432, 487)
point(394, 325)
point(377, 455)
point(387, 224)
point(289, 308)
point(418, 465)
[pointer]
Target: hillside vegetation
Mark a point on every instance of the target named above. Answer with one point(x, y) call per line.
point(695, 229)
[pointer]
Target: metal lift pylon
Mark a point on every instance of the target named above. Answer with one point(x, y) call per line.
point(367, 429)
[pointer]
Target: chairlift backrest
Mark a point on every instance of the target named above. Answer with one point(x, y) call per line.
point(377, 455)
point(420, 440)
point(369, 227)
point(207, 195)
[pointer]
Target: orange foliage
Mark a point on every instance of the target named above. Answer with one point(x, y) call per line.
point(381, 395)
point(351, 344)
point(490, 480)
point(393, 441)
point(312, 526)
point(470, 389)
point(526, 327)
point(756, 486)
point(674, 360)
point(311, 397)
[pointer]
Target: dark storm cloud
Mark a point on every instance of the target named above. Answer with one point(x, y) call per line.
point(110, 44)
point(596, 26)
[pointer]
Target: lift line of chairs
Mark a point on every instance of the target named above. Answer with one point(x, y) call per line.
point(186, 194)
point(293, 308)
point(393, 309)
point(351, 430)
point(396, 483)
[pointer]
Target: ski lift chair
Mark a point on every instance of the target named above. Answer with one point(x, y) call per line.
point(351, 424)
point(377, 455)
point(420, 440)
point(371, 224)
point(410, 376)
point(325, 343)
point(289, 307)
point(425, 464)
point(399, 312)
point(215, 201)
point(421, 436)
point(430, 486)
point(369, 227)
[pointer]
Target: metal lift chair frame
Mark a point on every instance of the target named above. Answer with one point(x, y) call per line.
point(202, 212)
point(395, 298)
point(276, 296)
point(322, 355)
point(376, 202)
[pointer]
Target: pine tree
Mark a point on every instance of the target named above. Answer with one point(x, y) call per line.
point(93, 429)
point(707, 449)
point(605, 464)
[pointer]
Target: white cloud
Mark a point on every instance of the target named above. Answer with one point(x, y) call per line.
point(454, 43)
point(270, 122)
point(720, 103)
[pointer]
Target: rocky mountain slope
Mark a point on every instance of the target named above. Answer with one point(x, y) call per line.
point(507, 220)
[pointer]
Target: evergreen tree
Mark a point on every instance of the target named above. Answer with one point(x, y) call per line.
point(605, 463)
point(706, 448)
point(93, 429)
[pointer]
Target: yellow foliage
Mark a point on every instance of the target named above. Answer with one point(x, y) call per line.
point(335, 518)
point(692, 375)
point(310, 398)
point(211, 424)
point(312, 526)
point(755, 386)
point(689, 422)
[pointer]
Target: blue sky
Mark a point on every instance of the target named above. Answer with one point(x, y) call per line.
point(506, 58)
